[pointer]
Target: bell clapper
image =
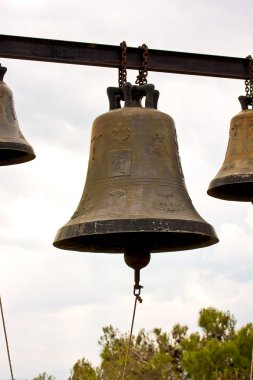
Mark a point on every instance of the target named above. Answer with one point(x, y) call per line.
point(137, 262)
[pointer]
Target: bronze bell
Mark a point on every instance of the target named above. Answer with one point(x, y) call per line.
point(14, 149)
point(234, 181)
point(134, 200)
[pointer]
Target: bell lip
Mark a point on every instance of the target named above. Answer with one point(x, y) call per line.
point(67, 237)
point(222, 188)
point(19, 153)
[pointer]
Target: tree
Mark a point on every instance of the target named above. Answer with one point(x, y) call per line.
point(219, 352)
point(216, 324)
point(83, 370)
point(152, 356)
point(44, 376)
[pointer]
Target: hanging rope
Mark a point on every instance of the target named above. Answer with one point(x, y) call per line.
point(137, 292)
point(129, 341)
point(251, 367)
point(6, 340)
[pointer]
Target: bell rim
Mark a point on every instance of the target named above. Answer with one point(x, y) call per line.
point(67, 236)
point(21, 153)
point(218, 187)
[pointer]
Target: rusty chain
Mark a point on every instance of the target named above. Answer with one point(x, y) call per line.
point(123, 69)
point(249, 81)
point(143, 72)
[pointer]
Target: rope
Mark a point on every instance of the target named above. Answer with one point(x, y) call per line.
point(130, 339)
point(251, 368)
point(6, 340)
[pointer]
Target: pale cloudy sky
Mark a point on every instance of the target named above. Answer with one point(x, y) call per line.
point(56, 302)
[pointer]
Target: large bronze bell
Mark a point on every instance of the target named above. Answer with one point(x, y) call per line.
point(14, 149)
point(134, 200)
point(234, 181)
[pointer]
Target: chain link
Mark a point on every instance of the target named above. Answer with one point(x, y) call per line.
point(249, 81)
point(123, 69)
point(143, 72)
point(251, 77)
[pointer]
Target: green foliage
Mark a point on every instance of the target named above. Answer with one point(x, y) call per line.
point(83, 370)
point(219, 352)
point(216, 324)
point(151, 356)
point(44, 376)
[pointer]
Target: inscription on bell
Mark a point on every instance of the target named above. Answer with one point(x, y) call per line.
point(94, 142)
point(158, 143)
point(121, 134)
point(120, 163)
point(171, 206)
point(118, 193)
point(10, 110)
point(250, 123)
point(234, 129)
point(165, 193)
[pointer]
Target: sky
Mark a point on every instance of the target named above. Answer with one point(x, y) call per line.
point(56, 302)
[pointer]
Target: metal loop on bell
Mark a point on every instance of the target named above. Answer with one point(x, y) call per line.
point(245, 102)
point(132, 96)
point(2, 72)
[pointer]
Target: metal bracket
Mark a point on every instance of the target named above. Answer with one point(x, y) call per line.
point(132, 96)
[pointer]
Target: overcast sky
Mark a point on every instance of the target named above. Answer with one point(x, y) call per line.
point(56, 302)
